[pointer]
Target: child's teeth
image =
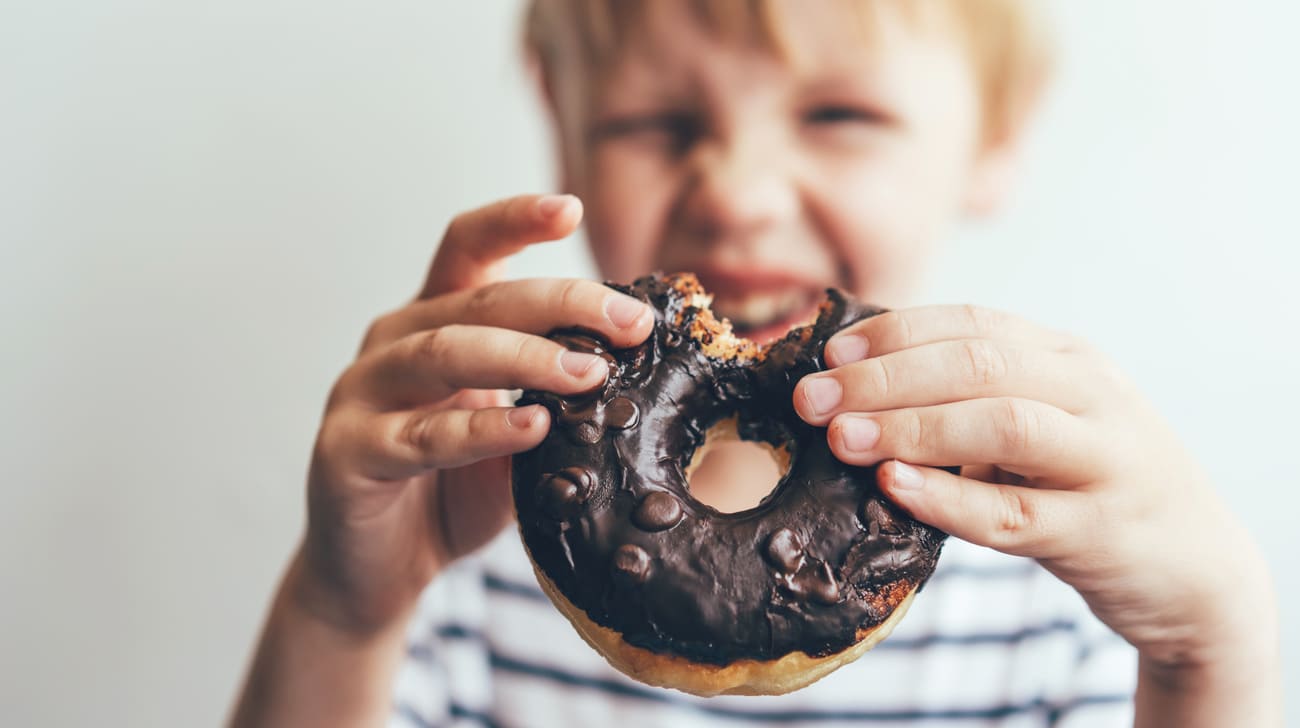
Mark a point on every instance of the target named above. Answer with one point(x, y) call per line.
point(759, 309)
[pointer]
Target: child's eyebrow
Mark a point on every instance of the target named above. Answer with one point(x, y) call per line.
point(840, 83)
point(630, 94)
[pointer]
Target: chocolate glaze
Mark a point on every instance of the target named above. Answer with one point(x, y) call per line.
point(605, 512)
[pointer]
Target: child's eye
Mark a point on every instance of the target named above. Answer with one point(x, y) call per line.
point(836, 114)
point(676, 132)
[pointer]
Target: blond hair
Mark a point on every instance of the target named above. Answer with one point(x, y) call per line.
point(1007, 40)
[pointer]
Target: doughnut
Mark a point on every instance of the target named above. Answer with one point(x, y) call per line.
point(671, 591)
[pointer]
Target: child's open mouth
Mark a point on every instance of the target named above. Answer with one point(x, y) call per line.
point(763, 316)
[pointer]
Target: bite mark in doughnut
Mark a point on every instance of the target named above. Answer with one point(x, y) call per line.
point(672, 591)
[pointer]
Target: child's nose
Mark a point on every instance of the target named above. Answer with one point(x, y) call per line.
point(740, 188)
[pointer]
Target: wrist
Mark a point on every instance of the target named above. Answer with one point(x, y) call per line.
point(1235, 639)
point(312, 670)
point(1240, 686)
point(308, 594)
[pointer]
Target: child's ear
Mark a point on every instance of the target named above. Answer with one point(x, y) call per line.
point(991, 179)
point(997, 162)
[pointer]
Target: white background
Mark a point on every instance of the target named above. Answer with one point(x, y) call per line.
point(202, 204)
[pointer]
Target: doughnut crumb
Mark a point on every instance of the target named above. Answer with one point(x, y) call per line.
point(716, 336)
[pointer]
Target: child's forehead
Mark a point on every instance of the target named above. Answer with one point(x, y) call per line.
point(812, 34)
point(1005, 43)
point(675, 55)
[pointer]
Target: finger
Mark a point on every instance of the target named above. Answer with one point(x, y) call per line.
point(992, 474)
point(535, 306)
point(1041, 524)
point(477, 242)
point(905, 328)
point(1023, 436)
point(429, 366)
point(398, 445)
point(948, 371)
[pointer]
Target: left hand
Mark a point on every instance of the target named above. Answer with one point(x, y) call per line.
point(1062, 461)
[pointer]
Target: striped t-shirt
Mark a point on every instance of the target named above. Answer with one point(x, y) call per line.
point(991, 640)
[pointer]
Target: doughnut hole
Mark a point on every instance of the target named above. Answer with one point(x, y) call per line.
point(729, 474)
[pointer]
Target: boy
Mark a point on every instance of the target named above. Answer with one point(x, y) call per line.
point(774, 149)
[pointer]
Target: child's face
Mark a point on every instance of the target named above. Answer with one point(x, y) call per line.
point(773, 179)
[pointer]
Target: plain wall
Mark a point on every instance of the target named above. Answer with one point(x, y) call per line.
point(203, 204)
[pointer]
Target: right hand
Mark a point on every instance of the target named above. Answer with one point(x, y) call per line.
point(411, 465)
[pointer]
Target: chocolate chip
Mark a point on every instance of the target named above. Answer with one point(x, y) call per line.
point(587, 433)
point(812, 582)
point(562, 494)
point(560, 497)
point(657, 511)
point(585, 479)
point(878, 518)
point(785, 550)
point(823, 588)
point(621, 413)
point(632, 562)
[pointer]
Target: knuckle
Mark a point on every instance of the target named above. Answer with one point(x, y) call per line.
point(983, 321)
point(895, 330)
point(431, 345)
point(1016, 518)
point(457, 228)
point(891, 330)
point(569, 296)
point(330, 436)
point(1022, 426)
point(526, 352)
point(482, 301)
point(376, 333)
point(878, 378)
point(339, 392)
point(903, 327)
point(1112, 376)
point(420, 432)
point(985, 363)
point(910, 431)
point(479, 429)
point(1070, 343)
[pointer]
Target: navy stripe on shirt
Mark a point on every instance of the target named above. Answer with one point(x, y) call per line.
point(514, 665)
point(457, 711)
point(528, 591)
point(786, 716)
point(621, 690)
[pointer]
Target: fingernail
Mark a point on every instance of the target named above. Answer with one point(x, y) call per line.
point(550, 205)
point(623, 311)
point(577, 364)
point(522, 418)
point(859, 434)
point(823, 394)
point(846, 349)
point(907, 477)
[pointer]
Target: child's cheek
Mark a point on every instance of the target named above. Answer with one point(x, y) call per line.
point(883, 233)
point(627, 200)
